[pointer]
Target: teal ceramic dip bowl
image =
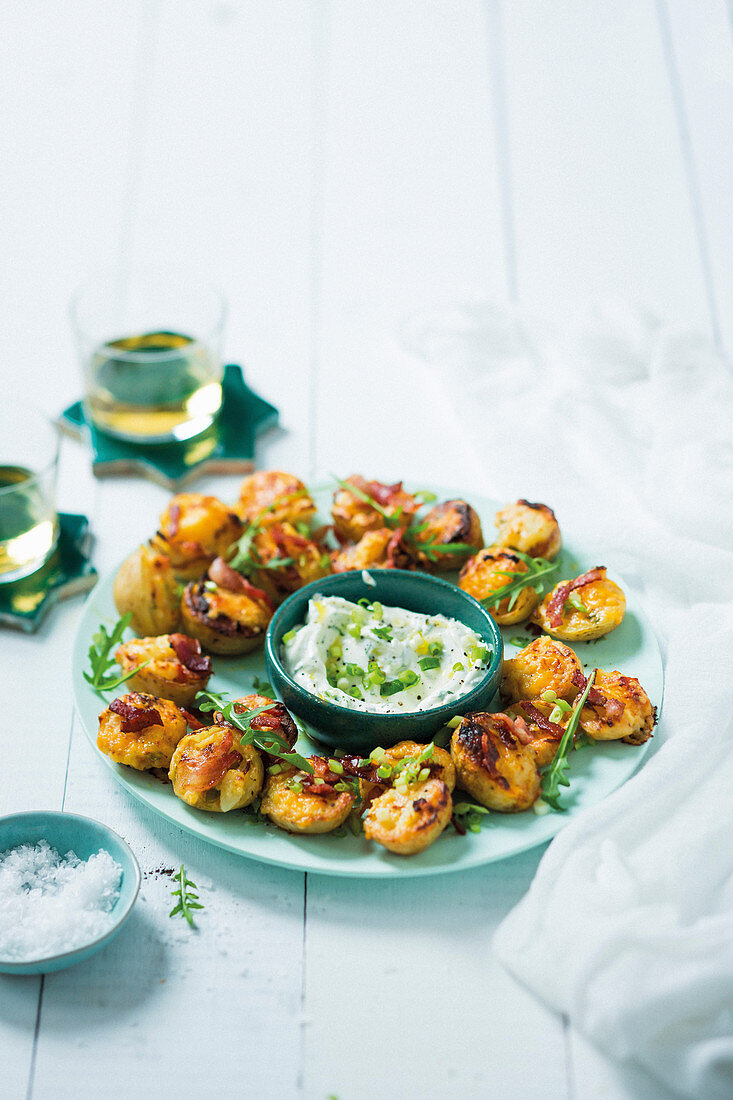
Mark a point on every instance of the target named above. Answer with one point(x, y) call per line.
point(84, 836)
point(357, 731)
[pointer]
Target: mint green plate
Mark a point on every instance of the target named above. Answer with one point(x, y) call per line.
point(84, 836)
point(596, 770)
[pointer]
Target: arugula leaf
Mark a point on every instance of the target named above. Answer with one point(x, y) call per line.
point(537, 568)
point(263, 687)
point(100, 661)
point(556, 774)
point(188, 899)
point(264, 740)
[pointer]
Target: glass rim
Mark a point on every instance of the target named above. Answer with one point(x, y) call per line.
point(148, 275)
point(51, 464)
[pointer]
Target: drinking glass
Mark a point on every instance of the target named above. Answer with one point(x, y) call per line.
point(150, 348)
point(29, 525)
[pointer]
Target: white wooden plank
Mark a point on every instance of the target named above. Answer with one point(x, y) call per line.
point(701, 64)
point(165, 1010)
point(65, 81)
point(401, 987)
point(411, 218)
point(600, 197)
point(224, 183)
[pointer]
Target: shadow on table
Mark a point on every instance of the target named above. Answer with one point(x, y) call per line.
point(116, 977)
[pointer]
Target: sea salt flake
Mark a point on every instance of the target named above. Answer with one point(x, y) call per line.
point(52, 903)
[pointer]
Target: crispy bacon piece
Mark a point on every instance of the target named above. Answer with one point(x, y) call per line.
point(393, 547)
point(551, 728)
point(174, 518)
point(135, 718)
point(200, 769)
point(614, 708)
point(285, 541)
point(383, 494)
point(188, 652)
point(192, 721)
point(221, 573)
point(560, 595)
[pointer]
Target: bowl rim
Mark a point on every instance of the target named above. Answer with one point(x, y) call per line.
point(307, 590)
point(8, 965)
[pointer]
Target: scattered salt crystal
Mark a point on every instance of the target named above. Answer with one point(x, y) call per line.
point(51, 903)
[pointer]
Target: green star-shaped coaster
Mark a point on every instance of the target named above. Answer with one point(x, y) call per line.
point(24, 604)
point(227, 447)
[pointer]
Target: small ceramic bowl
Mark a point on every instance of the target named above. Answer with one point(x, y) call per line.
point(357, 731)
point(85, 837)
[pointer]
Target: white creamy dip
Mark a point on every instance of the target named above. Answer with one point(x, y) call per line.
point(382, 659)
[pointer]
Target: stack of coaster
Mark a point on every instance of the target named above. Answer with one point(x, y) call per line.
point(227, 447)
point(24, 604)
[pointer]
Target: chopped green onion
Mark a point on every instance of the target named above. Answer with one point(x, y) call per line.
point(477, 653)
point(408, 677)
point(354, 630)
point(427, 752)
point(336, 767)
point(354, 692)
point(289, 636)
point(364, 603)
point(435, 649)
point(384, 633)
point(391, 687)
point(335, 649)
point(549, 696)
point(423, 774)
point(519, 641)
point(384, 772)
point(426, 663)
point(343, 684)
point(377, 609)
point(457, 667)
point(355, 670)
point(454, 723)
point(275, 769)
point(377, 754)
point(364, 762)
point(376, 674)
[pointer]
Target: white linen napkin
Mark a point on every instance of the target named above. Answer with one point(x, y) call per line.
point(626, 430)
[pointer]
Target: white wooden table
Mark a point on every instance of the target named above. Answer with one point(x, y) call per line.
point(335, 166)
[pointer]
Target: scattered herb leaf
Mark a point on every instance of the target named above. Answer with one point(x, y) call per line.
point(555, 775)
point(188, 899)
point(101, 658)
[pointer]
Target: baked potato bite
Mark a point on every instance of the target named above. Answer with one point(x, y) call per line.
point(408, 820)
point(529, 527)
point(493, 764)
point(486, 572)
point(270, 496)
point(380, 549)
point(210, 770)
point(146, 589)
point(543, 665)
point(353, 516)
point(438, 762)
point(140, 731)
point(453, 522)
point(174, 666)
point(306, 560)
point(301, 802)
point(225, 612)
point(582, 609)
point(534, 728)
point(617, 709)
point(194, 529)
